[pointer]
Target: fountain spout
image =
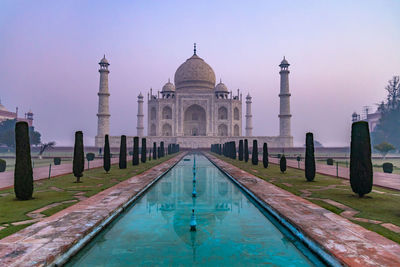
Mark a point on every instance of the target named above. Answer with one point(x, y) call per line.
point(193, 222)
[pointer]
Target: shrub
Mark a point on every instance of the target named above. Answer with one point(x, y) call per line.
point(149, 154)
point(89, 158)
point(79, 159)
point(122, 153)
point(282, 164)
point(254, 155)
point(154, 150)
point(241, 150)
point(162, 149)
point(107, 155)
point(361, 174)
point(265, 155)
point(298, 158)
point(23, 175)
point(329, 161)
point(3, 165)
point(246, 150)
point(57, 160)
point(310, 159)
point(135, 159)
point(387, 167)
point(278, 156)
point(233, 144)
point(144, 151)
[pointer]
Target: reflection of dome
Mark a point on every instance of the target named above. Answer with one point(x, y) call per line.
point(168, 87)
point(195, 72)
point(221, 87)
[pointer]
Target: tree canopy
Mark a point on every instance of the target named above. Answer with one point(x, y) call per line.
point(7, 134)
point(388, 127)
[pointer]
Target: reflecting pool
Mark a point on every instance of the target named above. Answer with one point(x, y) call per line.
point(231, 229)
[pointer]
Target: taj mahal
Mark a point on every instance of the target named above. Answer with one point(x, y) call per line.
point(194, 111)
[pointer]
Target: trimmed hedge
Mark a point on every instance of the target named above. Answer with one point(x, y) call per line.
point(135, 158)
point(57, 161)
point(310, 158)
point(387, 167)
point(265, 155)
point(122, 153)
point(361, 174)
point(144, 151)
point(79, 158)
point(107, 155)
point(246, 150)
point(329, 161)
point(23, 174)
point(282, 164)
point(3, 165)
point(254, 154)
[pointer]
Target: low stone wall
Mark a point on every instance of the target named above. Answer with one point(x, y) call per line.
point(195, 142)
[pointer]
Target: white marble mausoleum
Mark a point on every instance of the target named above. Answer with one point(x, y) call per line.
point(194, 111)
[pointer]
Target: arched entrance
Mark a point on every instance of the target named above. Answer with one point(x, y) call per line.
point(195, 121)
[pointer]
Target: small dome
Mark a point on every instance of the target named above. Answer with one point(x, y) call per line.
point(168, 87)
point(284, 62)
point(221, 87)
point(140, 95)
point(104, 60)
point(195, 72)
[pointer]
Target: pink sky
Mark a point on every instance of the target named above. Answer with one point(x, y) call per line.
point(341, 54)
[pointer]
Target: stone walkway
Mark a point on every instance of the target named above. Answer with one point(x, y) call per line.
point(350, 243)
point(40, 244)
point(7, 178)
point(387, 180)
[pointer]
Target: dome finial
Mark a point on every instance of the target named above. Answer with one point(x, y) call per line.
point(168, 80)
point(220, 80)
point(194, 50)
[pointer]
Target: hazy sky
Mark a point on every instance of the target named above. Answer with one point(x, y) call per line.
point(342, 53)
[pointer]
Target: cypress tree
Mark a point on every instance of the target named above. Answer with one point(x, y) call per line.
point(310, 159)
point(162, 149)
point(23, 174)
point(246, 150)
point(79, 158)
point(241, 150)
point(254, 155)
point(282, 163)
point(149, 154)
point(122, 153)
point(233, 150)
point(265, 155)
point(154, 150)
point(144, 151)
point(361, 174)
point(158, 152)
point(107, 155)
point(135, 159)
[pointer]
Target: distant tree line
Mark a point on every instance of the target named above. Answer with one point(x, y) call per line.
point(7, 134)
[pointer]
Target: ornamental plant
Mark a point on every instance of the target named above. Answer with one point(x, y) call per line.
point(89, 157)
point(122, 153)
point(254, 155)
point(57, 160)
point(144, 150)
point(361, 174)
point(135, 158)
point(107, 155)
point(265, 155)
point(246, 150)
point(154, 150)
point(282, 164)
point(310, 159)
point(241, 150)
point(79, 158)
point(3, 165)
point(23, 174)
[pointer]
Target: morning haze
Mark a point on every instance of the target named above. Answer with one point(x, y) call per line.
point(341, 54)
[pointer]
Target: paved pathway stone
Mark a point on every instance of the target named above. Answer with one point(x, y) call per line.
point(41, 243)
point(352, 244)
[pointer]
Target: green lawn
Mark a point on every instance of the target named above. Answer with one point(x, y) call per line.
point(382, 204)
point(60, 189)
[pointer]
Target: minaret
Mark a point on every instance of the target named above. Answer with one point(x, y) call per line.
point(249, 121)
point(284, 114)
point(103, 115)
point(140, 115)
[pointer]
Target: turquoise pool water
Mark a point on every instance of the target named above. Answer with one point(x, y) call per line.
point(231, 229)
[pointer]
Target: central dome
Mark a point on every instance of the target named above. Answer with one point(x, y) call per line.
point(195, 72)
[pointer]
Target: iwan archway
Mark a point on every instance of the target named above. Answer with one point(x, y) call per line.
point(194, 123)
